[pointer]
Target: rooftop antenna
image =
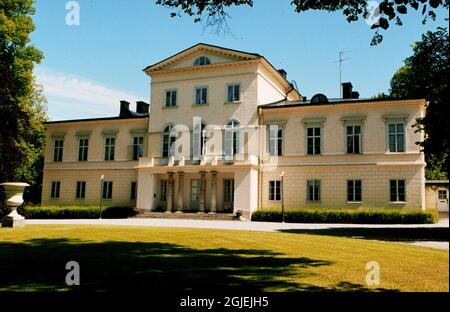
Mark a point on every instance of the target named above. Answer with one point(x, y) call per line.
point(340, 61)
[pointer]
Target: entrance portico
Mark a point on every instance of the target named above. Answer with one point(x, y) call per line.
point(209, 190)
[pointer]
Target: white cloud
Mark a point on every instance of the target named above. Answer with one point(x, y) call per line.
point(71, 97)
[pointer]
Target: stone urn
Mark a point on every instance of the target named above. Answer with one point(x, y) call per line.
point(14, 198)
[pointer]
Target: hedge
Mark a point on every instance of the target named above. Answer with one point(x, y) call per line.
point(77, 212)
point(347, 216)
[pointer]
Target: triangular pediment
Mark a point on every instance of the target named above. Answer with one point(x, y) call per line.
point(214, 54)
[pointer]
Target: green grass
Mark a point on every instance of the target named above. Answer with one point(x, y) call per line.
point(171, 260)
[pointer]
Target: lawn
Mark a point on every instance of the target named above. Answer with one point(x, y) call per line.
point(164, 259)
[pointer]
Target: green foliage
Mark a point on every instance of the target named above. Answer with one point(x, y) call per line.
point(388, 11)
point(22, 105)
point(346, 216)
point(424, 76)
point(88, 212)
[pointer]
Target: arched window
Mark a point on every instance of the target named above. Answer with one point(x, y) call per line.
point(232, 139)
point(168, 141)
point(202, 60)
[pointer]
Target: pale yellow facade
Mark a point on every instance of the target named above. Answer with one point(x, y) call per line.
point(168, 178)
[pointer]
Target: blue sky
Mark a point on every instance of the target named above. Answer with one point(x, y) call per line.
point(88, 68)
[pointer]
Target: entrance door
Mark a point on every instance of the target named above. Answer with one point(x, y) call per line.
point(442, 200)
point(228, 195)
point(195, 195)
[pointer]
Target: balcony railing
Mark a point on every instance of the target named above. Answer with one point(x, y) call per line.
point(240, 159)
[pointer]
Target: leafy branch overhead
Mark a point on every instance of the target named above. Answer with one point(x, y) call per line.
point(214, 12)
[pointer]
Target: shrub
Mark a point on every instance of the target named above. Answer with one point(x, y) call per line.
point(88, 212)
point(347, 216)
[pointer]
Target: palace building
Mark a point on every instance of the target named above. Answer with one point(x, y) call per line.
point(226, 131)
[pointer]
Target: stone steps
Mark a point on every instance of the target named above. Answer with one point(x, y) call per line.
point(187, 216)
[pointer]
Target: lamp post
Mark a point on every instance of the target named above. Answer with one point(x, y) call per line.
point(101, 194)
point(282, 195)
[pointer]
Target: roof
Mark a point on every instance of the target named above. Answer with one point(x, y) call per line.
point(287, 104)
point(436, 182)
point(199, 45)
point(248, 55)
point(95, 119)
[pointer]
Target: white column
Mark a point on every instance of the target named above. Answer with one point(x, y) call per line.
point(213, 192)
point(146, 191)
point(246, 191)
point(180, 202)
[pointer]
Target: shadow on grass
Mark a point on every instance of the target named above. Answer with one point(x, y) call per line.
point(438, 234)
point(39, 265)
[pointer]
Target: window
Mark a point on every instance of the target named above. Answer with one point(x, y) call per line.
point(163, 190)
point(171, 98)
point(275, 190)
point(107, 190)
point(314, 140)
point(398, 190)
point(55, 190)
point(199, 138)
point(232, 139)
point(354, 191)
point(138, 147)
point(202, 60)
point(275, 140)
point(354, 139)
point(110, 146)
point(201, 96)
point(228, 191)
point(133, 191)
point(442, 194)
point(313, 189)
point(81, 190)
point(83, 146)
point(396, 137)
point(58, 148)
point(233, 93)
point(168, 142)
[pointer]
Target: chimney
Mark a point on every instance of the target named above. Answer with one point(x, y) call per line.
point(283, 73)
point(355, 95)
point(142, 108)
point(347, 89)
point(124, 109)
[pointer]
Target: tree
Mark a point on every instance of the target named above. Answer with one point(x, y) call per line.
point(22, 105)
point(424, 75)
point(213, 12)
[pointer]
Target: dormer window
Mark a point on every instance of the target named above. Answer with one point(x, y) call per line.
point(202, 60)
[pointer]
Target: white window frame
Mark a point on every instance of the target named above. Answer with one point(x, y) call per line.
point(140, 146)
point(360, 137)
point(57, 149)
point(80, 191)
point(314, 182)
point(201, 101)
point(107, 156)
point(307, 137)
point(107, 193)
point(170, 139)
point(233, 139)
point(275, 192)
point(227, 95)
point(55, 190)
point(277, 140)
point(353, 195)
point(396, 134)
point(85, 151)
point(172, 92)
point(397, 195)
point(202, 61)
